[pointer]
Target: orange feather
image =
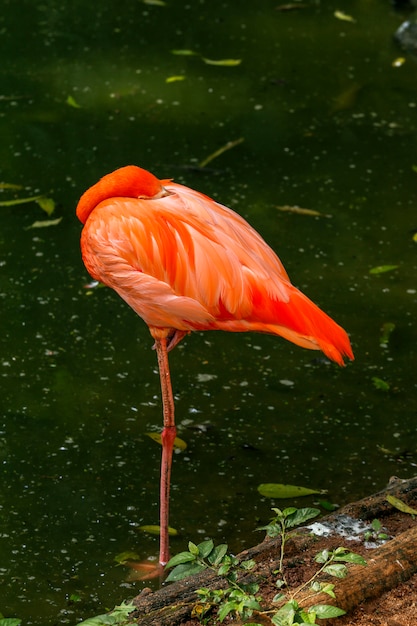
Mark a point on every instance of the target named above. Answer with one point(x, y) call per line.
point(184, 262)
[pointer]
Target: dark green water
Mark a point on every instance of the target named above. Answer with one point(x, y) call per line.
point(329, 124)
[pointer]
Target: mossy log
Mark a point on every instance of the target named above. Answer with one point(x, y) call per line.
point(388, 565)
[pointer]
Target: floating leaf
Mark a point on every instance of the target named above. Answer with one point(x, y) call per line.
point(44, 223)
point(381, 269)
point(380, 384)
point(415, 237)
point(400, 505)
point(185, 53)
point(72, 102)
point(276, 490)
point(339, 15)
point(217, 153)
point(223, 62)
point(174, 79)
point(20, 200)
point(299, 211)
point(156, 3)
point(398, 62)
point(153, 529)
point(179, 444)
point(46, 204)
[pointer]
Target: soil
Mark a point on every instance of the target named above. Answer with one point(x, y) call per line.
point(385, 595)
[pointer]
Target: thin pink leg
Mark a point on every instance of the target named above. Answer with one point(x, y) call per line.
point(168, 435)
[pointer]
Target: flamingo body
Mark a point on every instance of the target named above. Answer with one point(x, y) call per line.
point(184, 262)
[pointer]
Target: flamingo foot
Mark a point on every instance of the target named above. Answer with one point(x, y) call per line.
point(145, 570)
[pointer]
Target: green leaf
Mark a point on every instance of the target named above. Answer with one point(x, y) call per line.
point(46, 204)
point(193, 548)
point(300, 516)
point(179, 444)
point(181, 557)
point(381, 269)
point(44, 223)
point(380, 384)
point(226, 608)
point(10, 621)
point(217, 554)
point(351, 557)
point(336, 569)
point(204, 548)
point(122, 557)
point(154, 529)
point(72, 102)
point(400, 505)
point(184, 570)
point(387, 329)
point(328, 588)
point(174, 79)
point(326, 611)
point(184, 53)
point(277, 490)
point(223, 62)
point(20, 200)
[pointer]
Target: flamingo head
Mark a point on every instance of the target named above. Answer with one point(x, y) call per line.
point(128, 182)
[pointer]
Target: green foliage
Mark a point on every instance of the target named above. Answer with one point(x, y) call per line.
point(282, 522)
point(240, 599)
point(375, 533)
point(117, 617)
point(10, 621)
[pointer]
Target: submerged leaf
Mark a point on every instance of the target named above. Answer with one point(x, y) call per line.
point(276, 490)
point(153, 529)
point(223, 62)
point(299, 211)
point(380, 384)
point(400, 505)
point(185, 53)
point(381, 269)
point(179, 444)
point(10, 186)
point(387, 329)
point(72, 102)
point(217, 153)
point(122, 557)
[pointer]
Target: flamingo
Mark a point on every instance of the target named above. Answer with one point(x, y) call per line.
point(184, 263)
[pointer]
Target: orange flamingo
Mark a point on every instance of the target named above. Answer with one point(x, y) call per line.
point(183, 262)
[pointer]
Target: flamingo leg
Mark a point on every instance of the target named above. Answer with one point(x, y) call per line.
point(168, 435)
